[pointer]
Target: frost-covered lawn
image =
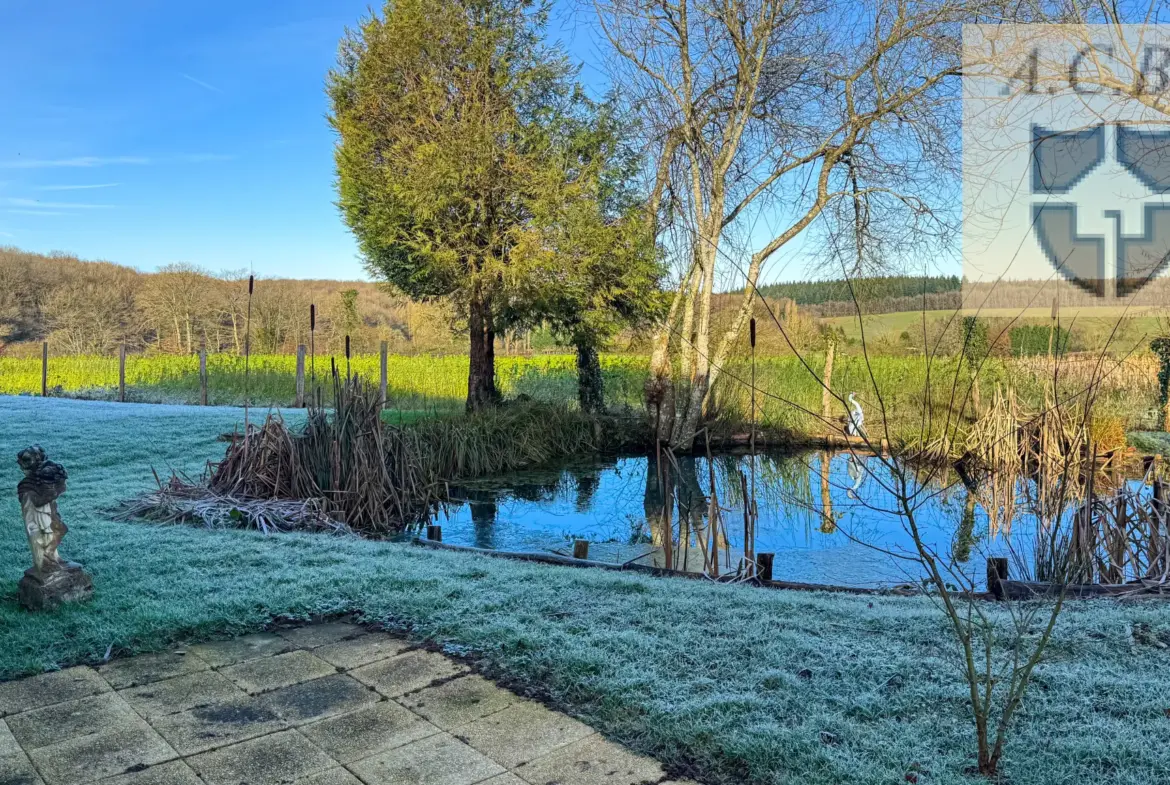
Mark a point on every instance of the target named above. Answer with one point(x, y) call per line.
point(740, 685)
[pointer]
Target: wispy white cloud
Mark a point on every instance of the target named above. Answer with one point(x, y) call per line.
point(77, 187)
point(86, 161)
point(7, 234)
point(93, 161)
point(36, 212)
point(37, 204)
point(201, 83)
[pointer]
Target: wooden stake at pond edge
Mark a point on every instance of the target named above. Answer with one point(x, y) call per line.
point(750, 501)
point(45, 369)
point(997, 572)
point(827, 390)
point(122, 373)
point(300, 402)
point(1055, 316)
point(435, 533)
point(382, 360)
point(247, 353)
point(581, 549)
point(203, 377)
point(764, 566)
point(312, 344)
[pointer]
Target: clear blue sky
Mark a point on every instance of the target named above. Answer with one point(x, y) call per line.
point(147, 132)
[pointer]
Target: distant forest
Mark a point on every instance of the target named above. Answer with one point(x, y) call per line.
point(867, 289)
point(85, 307)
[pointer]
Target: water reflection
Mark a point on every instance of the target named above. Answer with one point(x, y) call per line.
point(828, 517)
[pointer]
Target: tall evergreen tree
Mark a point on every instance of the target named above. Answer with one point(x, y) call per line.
point(446, 113)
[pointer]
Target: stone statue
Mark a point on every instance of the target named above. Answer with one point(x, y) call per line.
point(51, 581)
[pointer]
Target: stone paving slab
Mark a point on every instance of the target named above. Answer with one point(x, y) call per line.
point(17, 769)
point(283, 670)
point(368, 731)
point(522, 733)
point(360, 651)
point(207, 727)
point(592, 761)
point(314, 635)
point(63, 721)
point(97, 755)
point(250, 647)
point(324, 704)
point(318, 699)
point(50, 688)
point(413, 670)
point(271, 760)
point(8, 745)
point(175, 772)
point(436, 760)
point(182, 693)
point(458, 702)
point(149, 668)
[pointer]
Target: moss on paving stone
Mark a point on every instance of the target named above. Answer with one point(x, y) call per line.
point(700, 676)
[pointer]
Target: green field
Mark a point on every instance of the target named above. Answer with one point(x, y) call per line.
point(725, 684)
point(788, 398)
point(1092, 329)
point(413, 382)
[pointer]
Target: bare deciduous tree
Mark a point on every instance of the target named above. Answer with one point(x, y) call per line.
point(763, 115)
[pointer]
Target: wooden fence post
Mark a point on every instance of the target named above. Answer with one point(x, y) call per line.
point(300, 376)
point(45, 369)
point(202, 377)
point(581, 549)
point(122, 373)
point(997, 572)
point(382, 378)
point(764, 566)
point(826, 393)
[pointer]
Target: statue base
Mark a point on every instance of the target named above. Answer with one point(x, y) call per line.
point(66, 584)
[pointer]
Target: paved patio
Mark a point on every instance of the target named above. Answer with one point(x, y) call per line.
point(327, 704)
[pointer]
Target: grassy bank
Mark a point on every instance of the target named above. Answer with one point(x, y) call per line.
point(732, 684)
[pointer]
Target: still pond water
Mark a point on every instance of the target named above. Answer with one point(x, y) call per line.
point(824, 516)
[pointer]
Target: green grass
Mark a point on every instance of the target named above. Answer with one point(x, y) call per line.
point(421, 386)
point(1092, 328)
point(418, 382)
point(705, 677)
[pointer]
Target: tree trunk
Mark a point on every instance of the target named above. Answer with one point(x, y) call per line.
point(659, 390)
point(686, 421)
point(481, 378)
point(590, 389)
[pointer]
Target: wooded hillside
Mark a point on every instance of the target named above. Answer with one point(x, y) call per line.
point(85, 307)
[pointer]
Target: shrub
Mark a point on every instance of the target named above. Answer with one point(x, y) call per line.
point(1032, 339)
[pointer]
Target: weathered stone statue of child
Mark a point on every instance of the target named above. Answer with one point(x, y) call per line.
point(51, 581)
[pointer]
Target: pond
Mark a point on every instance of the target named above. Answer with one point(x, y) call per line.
point(829, 518)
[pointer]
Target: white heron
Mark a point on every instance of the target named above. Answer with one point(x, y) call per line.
point(855, 426)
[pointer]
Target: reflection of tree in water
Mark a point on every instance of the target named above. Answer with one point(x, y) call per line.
point(965, 536)
point(586, 490)
point(828, 522)
point(654, 500)
point(539, 491)
point(482, 504)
